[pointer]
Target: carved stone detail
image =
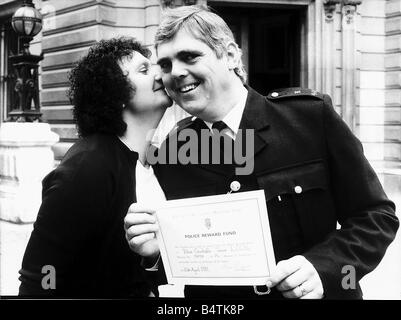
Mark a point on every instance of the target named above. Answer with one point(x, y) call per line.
point(349, 10)
point(167, 3)
point(190, 2)
point(330, 8)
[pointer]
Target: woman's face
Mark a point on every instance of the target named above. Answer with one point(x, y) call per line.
point(148, 90)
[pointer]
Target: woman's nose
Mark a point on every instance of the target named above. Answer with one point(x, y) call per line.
point(158, 76)
point(156, 72)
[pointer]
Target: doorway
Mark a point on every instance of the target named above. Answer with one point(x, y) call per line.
point(270, 38)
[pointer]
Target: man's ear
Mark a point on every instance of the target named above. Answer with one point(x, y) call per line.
point(233, 55)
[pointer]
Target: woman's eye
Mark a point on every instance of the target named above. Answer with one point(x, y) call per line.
point(144, 70)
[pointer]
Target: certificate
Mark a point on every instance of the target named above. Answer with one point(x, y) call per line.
point(216, 240)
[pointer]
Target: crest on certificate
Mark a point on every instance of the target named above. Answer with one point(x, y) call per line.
point(208, 223)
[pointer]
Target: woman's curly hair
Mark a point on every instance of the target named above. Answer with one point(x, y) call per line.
point(99, 89)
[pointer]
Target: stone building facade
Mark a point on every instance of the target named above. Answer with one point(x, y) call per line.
point(349, 49)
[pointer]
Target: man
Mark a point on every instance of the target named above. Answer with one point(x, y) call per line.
point(306, 159)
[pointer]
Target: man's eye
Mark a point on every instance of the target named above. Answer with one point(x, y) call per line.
point(189, 57)
point(164, 66)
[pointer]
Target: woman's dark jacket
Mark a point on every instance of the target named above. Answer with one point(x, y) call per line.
point(80, 226)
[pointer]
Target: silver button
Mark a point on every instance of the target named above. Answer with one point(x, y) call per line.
point(235, 186)
point(274, 94)
point(298, 189)
point(297, 91)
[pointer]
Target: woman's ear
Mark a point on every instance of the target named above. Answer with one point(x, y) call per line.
point(233, 55)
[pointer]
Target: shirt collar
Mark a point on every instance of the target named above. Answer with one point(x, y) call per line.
point(233, 117)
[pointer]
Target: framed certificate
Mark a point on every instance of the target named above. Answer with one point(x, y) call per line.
point(216, 240)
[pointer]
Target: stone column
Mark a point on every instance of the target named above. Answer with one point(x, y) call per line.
point(152, 19)
point(25, 159)
point(349, 64)
point(329, 48)
point(315, 28)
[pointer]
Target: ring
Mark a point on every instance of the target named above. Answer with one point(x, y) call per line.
point(261, 293)
point(303, 290)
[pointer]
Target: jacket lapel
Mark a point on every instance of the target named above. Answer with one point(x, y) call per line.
point(254, 122)
point(255, 119)
point(216, 168)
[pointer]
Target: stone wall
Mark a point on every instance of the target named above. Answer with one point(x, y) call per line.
point(70, 28)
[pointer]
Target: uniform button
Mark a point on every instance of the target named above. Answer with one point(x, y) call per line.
point(235, 186)
point(298, 189)
point(274, 94)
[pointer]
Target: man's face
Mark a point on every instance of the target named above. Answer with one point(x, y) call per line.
point(193, 75)
point(149, 94)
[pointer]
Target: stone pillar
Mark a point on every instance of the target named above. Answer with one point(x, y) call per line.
point(152, 19)
point(314, 51)
point(392, 96)
point(25, 159)
point(349, 64)
point(329, 48)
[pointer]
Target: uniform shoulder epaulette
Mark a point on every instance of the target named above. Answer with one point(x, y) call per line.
point(294, 92)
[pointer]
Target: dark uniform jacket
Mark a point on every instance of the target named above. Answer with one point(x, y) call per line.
point(80, 225)
point(314, 174)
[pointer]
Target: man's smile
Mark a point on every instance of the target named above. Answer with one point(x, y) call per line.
point(187, 87)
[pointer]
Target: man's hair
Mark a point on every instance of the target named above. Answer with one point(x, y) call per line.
point(204, 25)
point(99, 89)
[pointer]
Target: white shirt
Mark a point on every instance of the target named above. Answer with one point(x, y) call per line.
point(148, 190)
point(149, 193)
point(234, 116)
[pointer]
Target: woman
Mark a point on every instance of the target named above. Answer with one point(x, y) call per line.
point(78, 237)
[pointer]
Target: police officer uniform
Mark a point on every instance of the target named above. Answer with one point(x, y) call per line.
point(314, 174)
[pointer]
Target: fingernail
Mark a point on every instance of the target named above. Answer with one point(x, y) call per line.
point(269, 284)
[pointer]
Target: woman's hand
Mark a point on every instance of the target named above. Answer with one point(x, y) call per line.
point(140, 227)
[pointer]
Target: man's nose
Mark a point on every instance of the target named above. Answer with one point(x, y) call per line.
point(178, 70)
